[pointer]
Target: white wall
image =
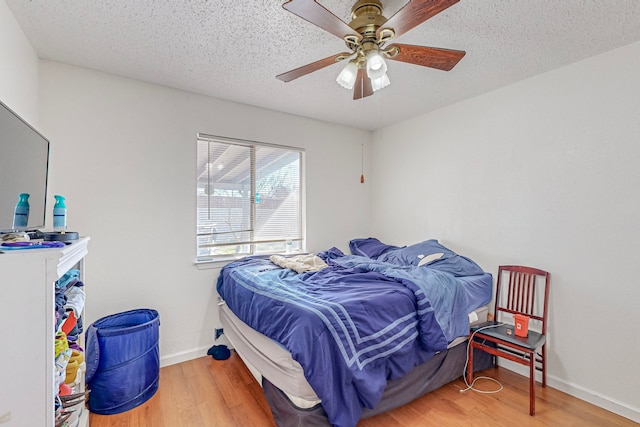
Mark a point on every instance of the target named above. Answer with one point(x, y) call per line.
point(124, 155)
point(543, 173)
point(18, 68)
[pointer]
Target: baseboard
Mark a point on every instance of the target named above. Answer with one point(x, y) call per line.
point(184, 356)
point(579, 392)
point(595, 398)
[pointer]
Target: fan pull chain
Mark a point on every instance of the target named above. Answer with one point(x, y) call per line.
point(362, 164)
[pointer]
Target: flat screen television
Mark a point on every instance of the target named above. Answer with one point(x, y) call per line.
point(24, 165)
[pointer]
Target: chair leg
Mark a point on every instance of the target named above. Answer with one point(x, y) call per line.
point(544, 365)
point(469, 363)
point(532, 383)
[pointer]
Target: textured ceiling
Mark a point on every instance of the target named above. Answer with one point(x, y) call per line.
point(233, 49)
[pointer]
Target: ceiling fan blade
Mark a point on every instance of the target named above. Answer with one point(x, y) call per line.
point(415, 13)
point(362, 88)
point(314, 66)
point(312, 11)
point(442, 59)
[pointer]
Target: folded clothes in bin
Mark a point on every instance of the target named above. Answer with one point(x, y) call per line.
point(123, 360)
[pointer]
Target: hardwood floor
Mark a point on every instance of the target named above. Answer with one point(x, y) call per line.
point(206, 392)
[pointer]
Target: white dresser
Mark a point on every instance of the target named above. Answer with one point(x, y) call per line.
point(27, 331)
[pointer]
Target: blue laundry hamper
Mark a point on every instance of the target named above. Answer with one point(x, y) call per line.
point(123, 361)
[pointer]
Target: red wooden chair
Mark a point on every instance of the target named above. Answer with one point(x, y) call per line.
point(519, 291)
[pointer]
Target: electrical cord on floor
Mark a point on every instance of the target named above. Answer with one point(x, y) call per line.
point(464, 372)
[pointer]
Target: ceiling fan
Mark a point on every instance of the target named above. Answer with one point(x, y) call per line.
point(367, 36)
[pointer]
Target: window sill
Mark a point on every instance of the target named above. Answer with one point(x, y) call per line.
point(208, 264)
point(211, 263)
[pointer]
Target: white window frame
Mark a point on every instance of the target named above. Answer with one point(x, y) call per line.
point(298, 241)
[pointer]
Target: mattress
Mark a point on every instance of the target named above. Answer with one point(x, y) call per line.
point(266, 358)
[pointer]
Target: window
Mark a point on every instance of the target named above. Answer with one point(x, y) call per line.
point(249, 198)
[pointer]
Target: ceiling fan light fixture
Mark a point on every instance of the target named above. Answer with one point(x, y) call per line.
point(376, 65)
point(380, 82)
point(347, 77)
point(366, 37)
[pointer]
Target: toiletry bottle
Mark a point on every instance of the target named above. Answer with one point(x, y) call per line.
point(59, 214)
point(21, 214)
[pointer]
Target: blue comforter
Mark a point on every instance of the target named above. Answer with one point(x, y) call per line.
point(351, 326)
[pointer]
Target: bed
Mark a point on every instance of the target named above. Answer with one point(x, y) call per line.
point(353, 335)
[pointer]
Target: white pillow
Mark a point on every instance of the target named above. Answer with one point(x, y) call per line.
point(429, 258)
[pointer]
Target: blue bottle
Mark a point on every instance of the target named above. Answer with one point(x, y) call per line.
point(21, 214)
point(59, 214)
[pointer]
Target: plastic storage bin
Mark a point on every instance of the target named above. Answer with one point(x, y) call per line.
point(123, 363)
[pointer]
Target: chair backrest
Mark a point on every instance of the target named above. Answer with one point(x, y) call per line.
point(523, 290)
